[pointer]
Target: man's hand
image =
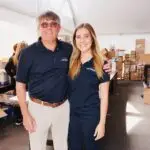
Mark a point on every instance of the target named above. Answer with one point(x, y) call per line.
point(107, 67)
point(29, 123)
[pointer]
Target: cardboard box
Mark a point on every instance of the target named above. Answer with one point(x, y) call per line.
point(127, 59)
point(119, 74)
point(111, 54)
point(140, 46)
point(133, 52)
point(133, 68)
point(126, 69)
point(127, 55)
point(144, 58)
point(133, 76)
point(119, 65)
point(126, 76)
point(147, 95)
point(133, 62)
point(120, 58)
point(120, 52)
point(127, 62)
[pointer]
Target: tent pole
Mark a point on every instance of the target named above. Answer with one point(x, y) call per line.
point(73, 13)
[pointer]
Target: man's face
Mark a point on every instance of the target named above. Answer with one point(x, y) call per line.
point(49, 29)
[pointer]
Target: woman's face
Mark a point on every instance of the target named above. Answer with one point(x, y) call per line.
point(83, 40)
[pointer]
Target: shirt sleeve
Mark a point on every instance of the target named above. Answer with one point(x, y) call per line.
point(23, 68)
point(70, 50)
point(105, 77)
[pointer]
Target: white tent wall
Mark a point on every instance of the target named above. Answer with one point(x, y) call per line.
point(15, 27)
point(116, 22)
point(126, 42)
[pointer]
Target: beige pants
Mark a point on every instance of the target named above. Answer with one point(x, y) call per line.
point(46, 117)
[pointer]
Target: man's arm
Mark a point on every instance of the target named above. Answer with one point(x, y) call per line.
point(28, 121)
point(107, 66)
point(21, 94)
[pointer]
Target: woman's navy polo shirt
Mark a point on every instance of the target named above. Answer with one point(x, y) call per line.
point(45, 72)
point(84, 88)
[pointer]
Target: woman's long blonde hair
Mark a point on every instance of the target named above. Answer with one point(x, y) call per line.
point(75, 61)
point(17, 50)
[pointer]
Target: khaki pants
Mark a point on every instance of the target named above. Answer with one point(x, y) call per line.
point(56, 119)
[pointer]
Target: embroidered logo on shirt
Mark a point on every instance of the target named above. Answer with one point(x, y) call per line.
point(64, 59)
point(91, 69)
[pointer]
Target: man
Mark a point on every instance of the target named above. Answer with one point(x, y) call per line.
point(43, 66)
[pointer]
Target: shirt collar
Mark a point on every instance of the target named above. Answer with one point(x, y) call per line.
point(43, 48)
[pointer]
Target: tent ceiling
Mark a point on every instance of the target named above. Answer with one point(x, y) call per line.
point(107, 16)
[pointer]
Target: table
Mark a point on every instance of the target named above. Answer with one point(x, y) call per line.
point(5, 88)
point(113, 82)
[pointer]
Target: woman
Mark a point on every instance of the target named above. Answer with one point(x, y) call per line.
point(12, 63)
point(10, 68)
point(88, 92)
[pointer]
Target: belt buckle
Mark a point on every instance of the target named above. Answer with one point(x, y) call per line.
point(42, 102)
point(53, 105)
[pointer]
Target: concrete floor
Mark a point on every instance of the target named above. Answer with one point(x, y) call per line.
point(127, 128)
point(128, 124)
point(138, 119)
point(15, 138)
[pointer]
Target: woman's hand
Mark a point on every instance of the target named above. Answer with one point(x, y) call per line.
point(99, 131)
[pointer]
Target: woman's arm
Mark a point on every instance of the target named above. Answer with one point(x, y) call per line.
point(103, 92)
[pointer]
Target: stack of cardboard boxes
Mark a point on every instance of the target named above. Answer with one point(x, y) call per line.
point(126, 67)
point(136, 69)
point(129, 68)
point(146, 95)
point(119, 67)
point(140, 46)
point(143, 59)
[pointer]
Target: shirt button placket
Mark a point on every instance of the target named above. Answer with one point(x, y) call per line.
point(54, 55)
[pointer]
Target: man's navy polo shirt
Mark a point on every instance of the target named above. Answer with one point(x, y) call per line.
point(45, 72)
point(84, 88)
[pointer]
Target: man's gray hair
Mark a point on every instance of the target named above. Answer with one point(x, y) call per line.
point(49, 15)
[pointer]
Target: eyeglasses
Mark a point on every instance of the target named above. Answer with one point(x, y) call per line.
point(51, 24)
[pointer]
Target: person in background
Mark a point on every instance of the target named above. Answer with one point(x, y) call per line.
point(88, 91)
point(11, 68)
